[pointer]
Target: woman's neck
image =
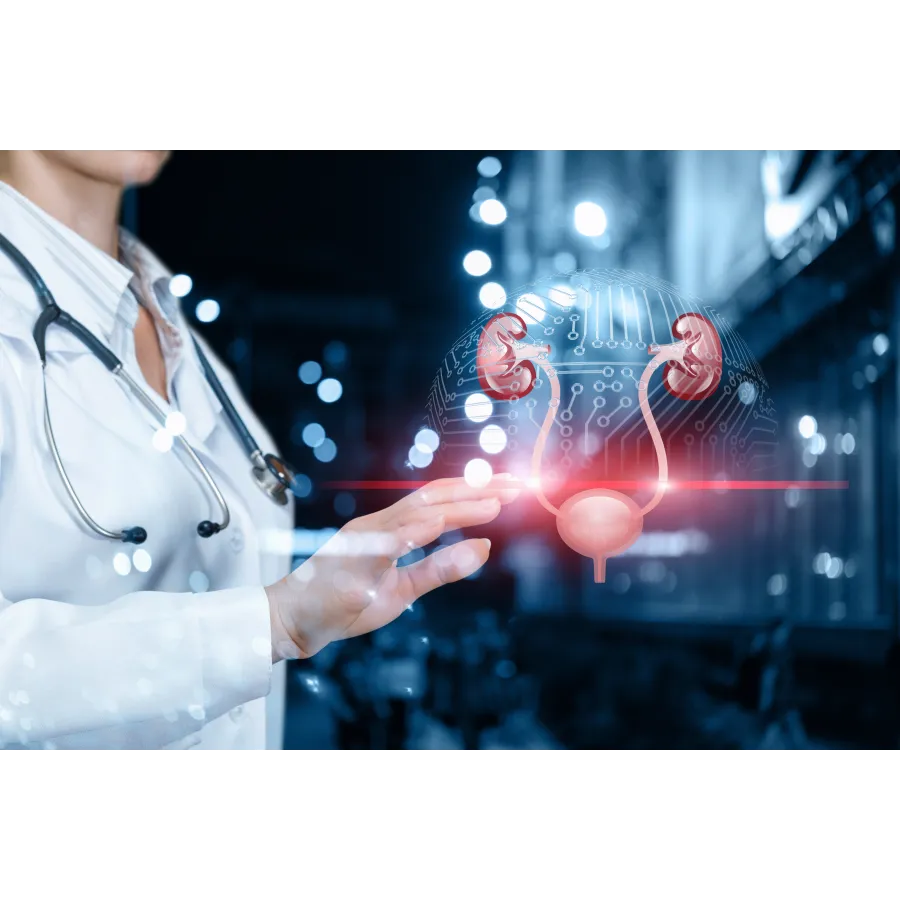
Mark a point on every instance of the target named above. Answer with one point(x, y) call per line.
point(87, 206)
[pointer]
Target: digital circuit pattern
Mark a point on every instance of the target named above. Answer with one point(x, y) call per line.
point(599, 327)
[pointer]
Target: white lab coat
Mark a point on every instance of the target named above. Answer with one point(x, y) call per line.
point(95, 652)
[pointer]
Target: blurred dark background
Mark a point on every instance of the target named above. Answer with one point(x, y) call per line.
point(352, 263)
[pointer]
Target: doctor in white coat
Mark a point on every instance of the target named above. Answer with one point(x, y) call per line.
point(172, 642)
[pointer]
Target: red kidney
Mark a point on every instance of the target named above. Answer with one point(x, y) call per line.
point(500, 373)
point(702, 370)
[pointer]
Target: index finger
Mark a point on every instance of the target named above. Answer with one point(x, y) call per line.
point(504, 487)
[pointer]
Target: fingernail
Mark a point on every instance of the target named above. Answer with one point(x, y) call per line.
point(487, 543)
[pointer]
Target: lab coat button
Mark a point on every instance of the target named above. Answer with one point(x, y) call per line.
point(237, 540)
point(236, 713)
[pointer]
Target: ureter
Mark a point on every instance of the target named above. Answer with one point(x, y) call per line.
point(662, 461)
point(538, 454)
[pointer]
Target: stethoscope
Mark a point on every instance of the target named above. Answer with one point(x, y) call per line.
point(270, 473)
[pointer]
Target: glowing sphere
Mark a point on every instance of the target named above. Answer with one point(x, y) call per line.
point(427, 440)
point(489, 167)
point(492, 439)
point(478, 407)
point(207, 310)
point(478, 473)
point(807, 426)
point(329, 390)
point(326, 451)
point(492, 212)
point(176, 423)
point(142, 560)
point(162, 440)
point(198, 582)
point(477, 263)
point(180, 285)
point(313, 434)
point(310, 372)
point(301, 485)
point(590, 219)
point(492, 295)
point(420, 457)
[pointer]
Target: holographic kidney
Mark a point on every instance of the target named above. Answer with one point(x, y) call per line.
point(502, 373)
point(699, 375)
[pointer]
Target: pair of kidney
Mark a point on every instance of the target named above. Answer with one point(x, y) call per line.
point(504, 375)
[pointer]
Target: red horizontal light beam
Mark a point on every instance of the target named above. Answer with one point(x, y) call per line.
point(619, 485)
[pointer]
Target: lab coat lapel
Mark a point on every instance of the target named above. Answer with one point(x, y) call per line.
point(74, 376)
point(196, 399)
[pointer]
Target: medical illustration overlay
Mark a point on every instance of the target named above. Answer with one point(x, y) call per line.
point(603, 390)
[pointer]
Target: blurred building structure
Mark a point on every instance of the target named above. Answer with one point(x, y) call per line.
point(795, 248)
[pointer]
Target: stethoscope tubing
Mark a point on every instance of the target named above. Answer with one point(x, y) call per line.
point(51, 313)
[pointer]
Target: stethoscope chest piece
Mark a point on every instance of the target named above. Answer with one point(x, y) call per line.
point(273, 477)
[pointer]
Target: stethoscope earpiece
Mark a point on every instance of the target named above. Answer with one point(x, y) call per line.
point(207, 529)
point(135, 535)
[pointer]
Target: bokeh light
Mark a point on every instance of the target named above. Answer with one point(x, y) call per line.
point(310, 372)
point(329, 390)
point(344, 504)
point(176, 423)
point(335, 354)
point(207, 310)
point(180, 285)
point(326, 451)
point(426, 439)
point(807, 426)
point(198, 582)
point(492, 439)
point(492, 212)
point(478, 407)
point(478, 473)
point(477, 263)
point(490, 167)
point(564, 261)
point(420, 457)
point(301, 485)
point(162, 440)
point(492, 295)
point(590, 219)
point(313, 434)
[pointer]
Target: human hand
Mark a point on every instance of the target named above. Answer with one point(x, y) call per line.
point(352, 584)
